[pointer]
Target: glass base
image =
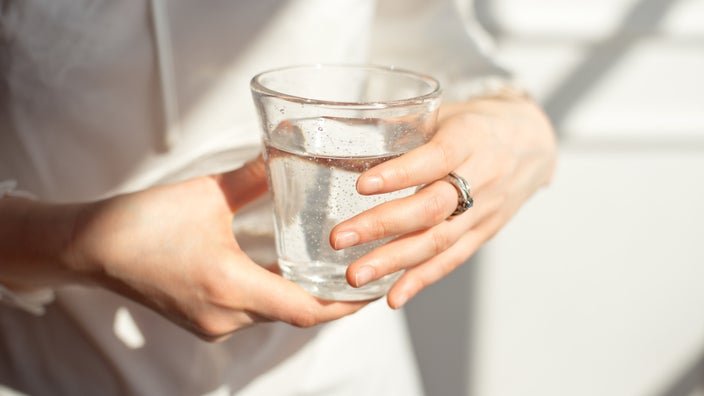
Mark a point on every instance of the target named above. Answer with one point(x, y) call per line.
point(328, 282)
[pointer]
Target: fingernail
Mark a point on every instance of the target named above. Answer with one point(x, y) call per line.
point(402, 296)
point(370, 185)
point(364, 275)
point(401, 300)
point(346, 239)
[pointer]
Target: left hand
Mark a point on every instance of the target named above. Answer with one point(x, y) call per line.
point(504, 147)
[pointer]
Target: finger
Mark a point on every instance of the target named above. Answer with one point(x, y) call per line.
point(276, 298)
point(232, 321)
point(243, 185)
point(428, 207)
point(413, 249)
point(452, 144)
point(236, 295)
point(423, 275)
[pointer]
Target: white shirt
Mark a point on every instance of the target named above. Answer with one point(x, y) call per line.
point(103, 97)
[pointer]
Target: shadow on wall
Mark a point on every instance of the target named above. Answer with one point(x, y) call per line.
point(441, 319)
point(440, 322)
point(602, 56)
point(689, 382)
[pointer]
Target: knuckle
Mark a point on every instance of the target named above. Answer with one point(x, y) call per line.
point(391, 261)
point(304, 318)
point(216, 285)
point(211, 327)
point(393, 264)
point(378, 228)
point(401, 175)
point(439, 242)
point(435, 208)
point(445, 156)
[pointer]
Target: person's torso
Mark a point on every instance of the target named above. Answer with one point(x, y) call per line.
point(91, 86)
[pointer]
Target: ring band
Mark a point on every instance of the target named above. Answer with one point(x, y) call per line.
point(464, 199)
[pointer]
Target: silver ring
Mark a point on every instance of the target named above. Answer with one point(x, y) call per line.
point(464, 199)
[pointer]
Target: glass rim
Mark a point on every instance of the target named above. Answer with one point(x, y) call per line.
point(434, 85)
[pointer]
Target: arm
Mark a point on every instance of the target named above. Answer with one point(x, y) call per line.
point(503, 145)
point(32, 240)
point(170, 248)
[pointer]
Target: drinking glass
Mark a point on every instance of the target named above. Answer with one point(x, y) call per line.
point(322, 126)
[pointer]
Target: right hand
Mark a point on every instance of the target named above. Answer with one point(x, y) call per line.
point(172, 249)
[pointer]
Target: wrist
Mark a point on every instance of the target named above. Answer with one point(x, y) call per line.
point(34, 243)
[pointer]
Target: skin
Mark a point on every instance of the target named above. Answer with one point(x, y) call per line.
point(171, 247)
point(505, 148)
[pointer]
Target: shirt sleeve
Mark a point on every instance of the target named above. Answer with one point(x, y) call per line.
point(441, 38)
point(32, 301)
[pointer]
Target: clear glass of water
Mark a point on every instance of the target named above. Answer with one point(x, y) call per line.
point(323, 125)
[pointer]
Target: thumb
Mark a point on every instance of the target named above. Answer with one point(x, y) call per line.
point(243, 185)
point(276, 298)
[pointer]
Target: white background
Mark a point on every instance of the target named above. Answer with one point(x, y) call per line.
point(597, 286)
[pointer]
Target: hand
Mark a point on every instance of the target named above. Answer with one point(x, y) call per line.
point(504, 147)
point(172, 249)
